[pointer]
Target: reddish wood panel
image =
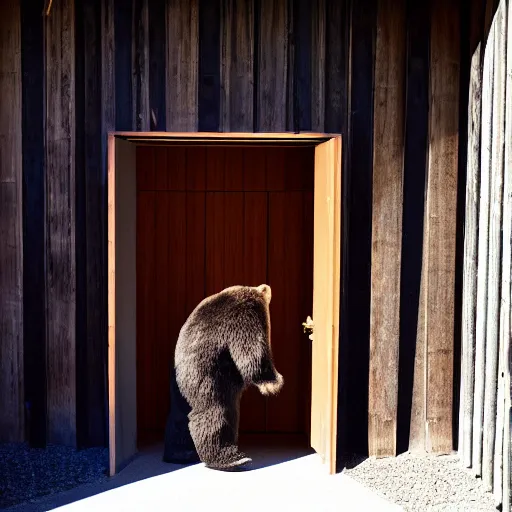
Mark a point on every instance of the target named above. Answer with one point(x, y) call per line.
point(176, 168)
point(146, 293)
point(207, 233)
point(252, 407)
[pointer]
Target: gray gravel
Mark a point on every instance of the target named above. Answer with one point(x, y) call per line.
point(28, 473)
point(419, 483)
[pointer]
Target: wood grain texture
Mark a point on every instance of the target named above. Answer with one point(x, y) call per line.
point(388, 166)
point(483, 248)
point(237, 66)
point(91, 197)
point(441, 222)
point(411, 372)
point(506, 280)
point(60, 231)
point(157, 52)
point(34, 274)
point(209, 65)
point(182, 38)
point(318, 60)
point(470, 259)
point(273, 66)
point(140, 66)
point(495, 242)
point(11, 249)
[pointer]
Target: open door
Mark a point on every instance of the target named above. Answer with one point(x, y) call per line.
point(326, 292)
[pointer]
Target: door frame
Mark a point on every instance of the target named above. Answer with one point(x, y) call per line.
point(121, 182)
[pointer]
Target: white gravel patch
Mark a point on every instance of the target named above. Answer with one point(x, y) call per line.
point(418, 483)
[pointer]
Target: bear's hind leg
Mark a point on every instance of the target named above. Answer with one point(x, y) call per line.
point(214, 432)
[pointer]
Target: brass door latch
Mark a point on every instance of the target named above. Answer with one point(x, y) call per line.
point(308, 327)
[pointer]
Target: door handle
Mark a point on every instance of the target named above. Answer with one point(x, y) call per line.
point(308, 327)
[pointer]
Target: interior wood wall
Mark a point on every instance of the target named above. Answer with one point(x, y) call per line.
point(391, 77)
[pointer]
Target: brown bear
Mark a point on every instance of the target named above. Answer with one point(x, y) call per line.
point(224, 347)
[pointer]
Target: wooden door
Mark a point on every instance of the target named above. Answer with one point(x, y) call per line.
point(326, 291)
point(212, 217)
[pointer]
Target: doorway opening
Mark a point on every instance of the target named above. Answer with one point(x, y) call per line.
point(209, 217)
point(192, 213)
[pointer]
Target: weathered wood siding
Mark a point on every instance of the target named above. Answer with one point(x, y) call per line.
point(386, 75)
point(485, 411)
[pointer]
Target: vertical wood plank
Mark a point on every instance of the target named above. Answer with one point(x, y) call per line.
point(60, 231)
point(215, 237)
point(441, 222)
point(358, 223)
point(177, 168)
point(123, 25)
point(411, 371)
point(177, 265)
point(337, 66)
point(140, 66)
point(233, 178)
point(494, 266)
point(234, 239)
point(255, 175)
point(195, 246)
point(304, 22)
point(182, 38)
point(146, 311)
point(252, 408)
point(388, 146)
point(160, 344)
point(196, 168)
point(161, 167)
point(273, 62)
point(470, 257)
point(506, 332)
point(92, 431)
point(34, 283)
point(237, 66)
point(157, 22)
point(215, 168)
point(108, 120)
point(209, 66)
point(483, 248)
point(318, 60)
point(11, 293)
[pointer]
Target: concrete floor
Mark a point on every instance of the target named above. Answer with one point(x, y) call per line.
point(284, 479)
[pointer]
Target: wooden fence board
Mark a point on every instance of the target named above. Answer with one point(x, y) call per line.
point(11, 293)
point(483, 247)
point(157, 84)
point(140, 66)
point(209, 66)
point(388, 145)
point(318, 59)
point(411, 371)
point(34, 281)
point(494, 265)
point(273, 66)
point(237, 65)
point(506, 293)
point(470, 259)
point(182, 35)
point(60, 230)
point(441, 222)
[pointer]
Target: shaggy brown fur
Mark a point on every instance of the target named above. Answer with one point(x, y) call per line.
point(223, 347)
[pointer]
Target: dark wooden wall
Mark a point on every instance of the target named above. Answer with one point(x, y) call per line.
point(391, 76)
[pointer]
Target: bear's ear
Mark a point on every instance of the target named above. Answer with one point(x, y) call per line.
point(266, 291)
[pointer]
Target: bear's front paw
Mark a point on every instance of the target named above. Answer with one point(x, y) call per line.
point(271, 387)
